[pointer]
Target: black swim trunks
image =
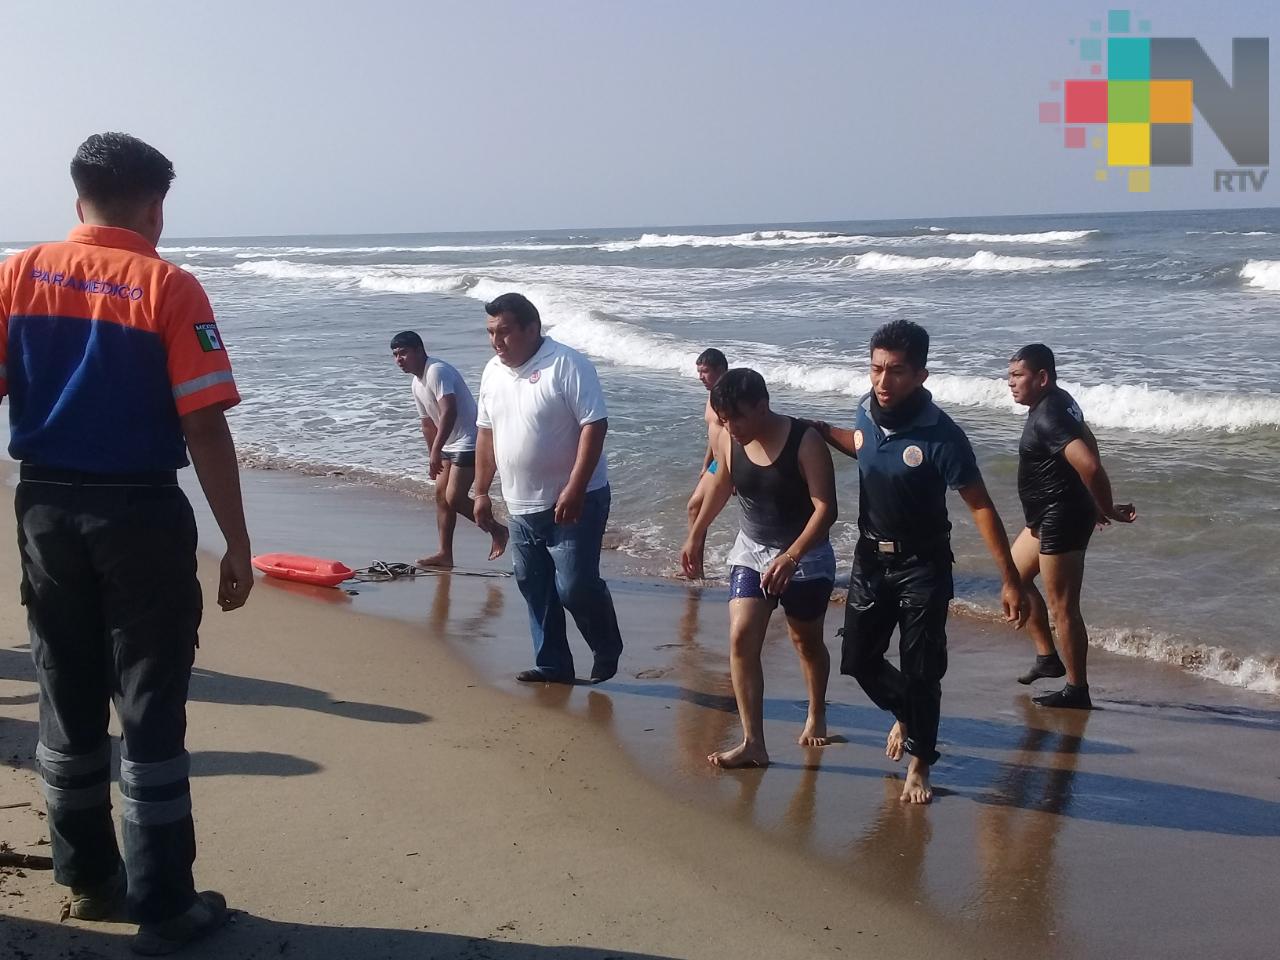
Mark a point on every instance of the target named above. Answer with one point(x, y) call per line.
point(1065, 528)
point(463, 458)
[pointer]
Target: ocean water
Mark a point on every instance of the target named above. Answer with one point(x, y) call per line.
point(1166, 327)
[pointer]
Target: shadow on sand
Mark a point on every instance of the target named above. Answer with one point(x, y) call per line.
point(213, 687)
point(254, 938)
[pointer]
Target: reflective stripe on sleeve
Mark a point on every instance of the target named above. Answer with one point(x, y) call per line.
point(189, 387)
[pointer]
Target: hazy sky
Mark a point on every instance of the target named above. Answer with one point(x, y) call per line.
point(382, 116)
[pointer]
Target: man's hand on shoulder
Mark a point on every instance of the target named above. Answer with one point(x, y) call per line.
point(823, 428)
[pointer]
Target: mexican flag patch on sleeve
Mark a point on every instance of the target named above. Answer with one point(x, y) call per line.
point(207, 334)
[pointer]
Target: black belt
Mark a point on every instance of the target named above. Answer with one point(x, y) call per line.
point(904, 548)
point(31, 473)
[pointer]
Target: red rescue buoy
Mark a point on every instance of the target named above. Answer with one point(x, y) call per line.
point(292, 566)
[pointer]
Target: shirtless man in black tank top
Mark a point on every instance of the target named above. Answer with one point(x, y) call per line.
point(785, 482)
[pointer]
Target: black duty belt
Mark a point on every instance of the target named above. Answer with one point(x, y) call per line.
point(32, 473)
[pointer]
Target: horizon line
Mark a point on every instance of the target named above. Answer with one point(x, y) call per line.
point(685, 226)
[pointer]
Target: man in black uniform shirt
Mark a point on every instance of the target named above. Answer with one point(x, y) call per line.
point(1064, 493)
point(909, 454)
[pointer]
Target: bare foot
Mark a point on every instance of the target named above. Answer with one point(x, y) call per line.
point(893, 745)
point(500, 537)
point(917, 789)
point(814, 733)
point(437, 560)
point(743, 755)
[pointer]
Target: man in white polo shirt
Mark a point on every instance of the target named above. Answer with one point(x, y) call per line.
point(447, 411)
point(542, 421)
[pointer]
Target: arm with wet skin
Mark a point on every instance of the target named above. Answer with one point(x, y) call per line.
point(841, 438)
point(820, 476)
point(991, 527)
point(429, 435)
point(721, 489)
point(590, 449)
point(443, 431)
point(1085, 459)
point(486, 470)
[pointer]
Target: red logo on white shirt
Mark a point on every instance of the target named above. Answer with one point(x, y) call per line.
point(535, 376)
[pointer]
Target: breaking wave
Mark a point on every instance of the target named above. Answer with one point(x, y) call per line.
point(982, 260)
point(576, 321)
point(1257, 672)
point(758, 238)
point(1047, 236)
point(1262, 274)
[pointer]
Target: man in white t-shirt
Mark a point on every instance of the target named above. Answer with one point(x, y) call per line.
point(447, 410)
point(542, 422)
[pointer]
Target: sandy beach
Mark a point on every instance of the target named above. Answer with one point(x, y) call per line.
point(369, 782)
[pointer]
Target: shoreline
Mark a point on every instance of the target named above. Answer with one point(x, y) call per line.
point(1044, 836)
point(1256, 673)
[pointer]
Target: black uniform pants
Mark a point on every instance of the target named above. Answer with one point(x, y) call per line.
point(113, 605)
point(911, 593)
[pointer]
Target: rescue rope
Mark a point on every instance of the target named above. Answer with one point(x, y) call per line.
point(382, 571)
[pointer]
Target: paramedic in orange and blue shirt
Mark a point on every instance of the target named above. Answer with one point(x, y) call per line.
point(114, 369)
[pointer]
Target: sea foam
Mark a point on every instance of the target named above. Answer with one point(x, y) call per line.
point(982, 260)
point(1047, 236)
point(1262, 274)
point(576, 320)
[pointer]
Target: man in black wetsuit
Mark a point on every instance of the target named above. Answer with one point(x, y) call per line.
point(786, 485)
point(1064, 492)
point(909, 454)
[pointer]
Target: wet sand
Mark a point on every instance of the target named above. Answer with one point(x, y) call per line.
point(371, 782)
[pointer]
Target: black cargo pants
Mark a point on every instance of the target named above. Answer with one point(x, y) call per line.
point(113, 605)
point(910, 592)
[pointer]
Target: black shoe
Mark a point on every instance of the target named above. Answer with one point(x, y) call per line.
point(207, 914)
point(1046, 667)
point(601, 671)
point(537, 676)
point(1070, 697)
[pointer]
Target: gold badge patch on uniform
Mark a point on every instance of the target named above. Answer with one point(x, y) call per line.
point(207, 334)
point(857, 440)
point(913, 456)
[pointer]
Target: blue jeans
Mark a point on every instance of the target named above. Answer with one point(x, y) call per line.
point(557, 566)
